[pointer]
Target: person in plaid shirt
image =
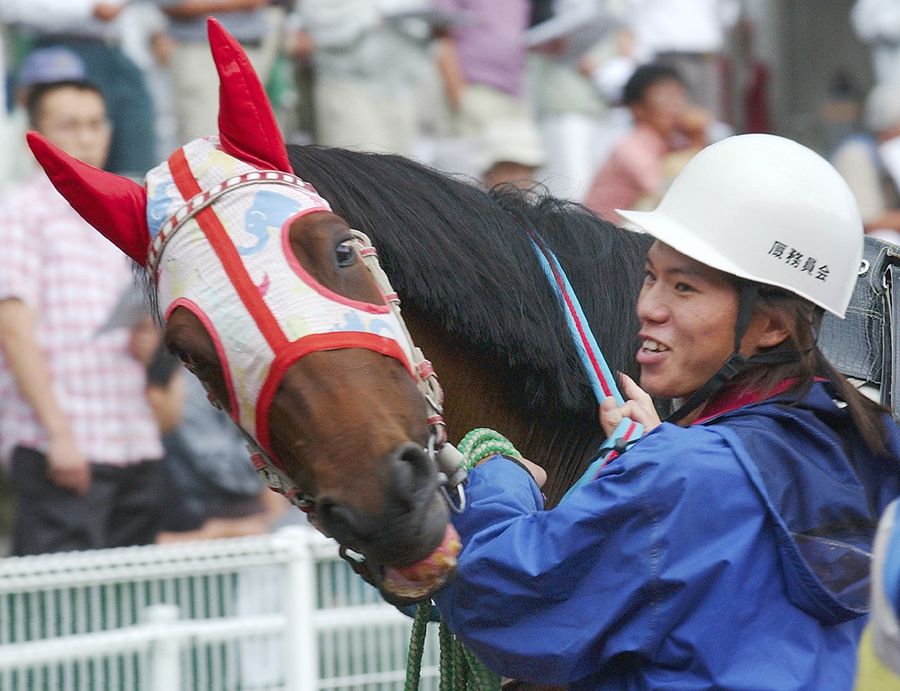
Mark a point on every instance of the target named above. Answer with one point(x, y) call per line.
point(77, 435)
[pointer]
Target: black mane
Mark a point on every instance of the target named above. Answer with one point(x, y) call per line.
point(463, 256)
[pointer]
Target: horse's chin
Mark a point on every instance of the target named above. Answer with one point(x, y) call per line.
point(406, 585)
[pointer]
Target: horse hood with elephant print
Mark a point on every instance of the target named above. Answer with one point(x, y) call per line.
point(234, 269)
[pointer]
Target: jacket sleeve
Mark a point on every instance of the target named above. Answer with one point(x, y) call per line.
point(551, 596)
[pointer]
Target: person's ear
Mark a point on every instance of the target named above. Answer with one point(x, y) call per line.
point(769, 329)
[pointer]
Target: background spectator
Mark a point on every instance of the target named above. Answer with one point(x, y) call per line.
point(75, 427)
point(215, 492)
point(195, 85)
point(482, 62)
point(689, 36)
point(369, 62)
point(865, 159)
point(571, 111)
point(91, 31)
point(877, 23)
point(636, 173)
point(41, 66)
point(146, 41)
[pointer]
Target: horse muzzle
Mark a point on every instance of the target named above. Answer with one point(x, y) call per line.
point(409, 549)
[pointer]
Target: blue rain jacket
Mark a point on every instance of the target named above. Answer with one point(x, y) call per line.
point(730, 555)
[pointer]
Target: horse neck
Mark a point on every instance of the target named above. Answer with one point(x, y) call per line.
point(479, 392)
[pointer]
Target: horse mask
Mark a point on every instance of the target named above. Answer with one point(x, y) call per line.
point(212, 229)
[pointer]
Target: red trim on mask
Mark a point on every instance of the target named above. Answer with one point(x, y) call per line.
point(227, 253)
point(194, 309)
point(307, 278)
point(312, 344)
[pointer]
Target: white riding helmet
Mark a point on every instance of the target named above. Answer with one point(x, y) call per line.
point(767, 209)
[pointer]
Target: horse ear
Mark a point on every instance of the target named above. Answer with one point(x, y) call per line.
point(114, 205)
point(247, 126)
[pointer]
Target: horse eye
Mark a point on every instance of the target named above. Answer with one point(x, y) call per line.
point(180, 354)
point(345, 255)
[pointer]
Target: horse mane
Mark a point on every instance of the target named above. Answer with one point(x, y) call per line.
point(462, 257)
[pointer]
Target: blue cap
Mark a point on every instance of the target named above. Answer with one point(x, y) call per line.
point(54, 64)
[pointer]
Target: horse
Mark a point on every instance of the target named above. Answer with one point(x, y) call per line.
point(475, 299)
point(268, 297)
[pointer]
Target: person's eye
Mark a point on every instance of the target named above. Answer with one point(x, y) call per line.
point(682, 287)
point(648, 276)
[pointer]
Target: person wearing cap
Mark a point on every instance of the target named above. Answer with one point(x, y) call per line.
point(93, 30)
point(729, 547)
point(77, 436)
point(40, 66)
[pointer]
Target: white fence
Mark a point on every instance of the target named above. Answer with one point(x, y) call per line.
point(277, 612)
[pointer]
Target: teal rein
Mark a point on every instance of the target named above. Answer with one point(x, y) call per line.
point(599, 375)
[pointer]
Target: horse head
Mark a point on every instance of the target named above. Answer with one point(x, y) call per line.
point(270, 299)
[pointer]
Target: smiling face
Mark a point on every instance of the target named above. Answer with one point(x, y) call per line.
point(688, 312)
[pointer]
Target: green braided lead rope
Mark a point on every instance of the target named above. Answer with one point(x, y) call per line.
point(483, 442)
point(460, 669)
point(416, 647)
point(445, 638)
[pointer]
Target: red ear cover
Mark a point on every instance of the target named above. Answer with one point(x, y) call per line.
point(114, 205)
point(247, 126)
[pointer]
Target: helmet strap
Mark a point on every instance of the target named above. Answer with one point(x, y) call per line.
point(747, 296)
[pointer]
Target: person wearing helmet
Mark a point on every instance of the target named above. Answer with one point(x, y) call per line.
point(729, 547)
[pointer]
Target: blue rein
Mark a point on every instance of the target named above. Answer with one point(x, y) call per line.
point(601, 378)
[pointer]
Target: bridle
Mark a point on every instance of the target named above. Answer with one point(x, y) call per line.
point(447, 461)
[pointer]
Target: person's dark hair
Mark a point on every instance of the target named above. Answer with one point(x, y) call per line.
point(803, 319)
point(36, 94)
point(646, 76)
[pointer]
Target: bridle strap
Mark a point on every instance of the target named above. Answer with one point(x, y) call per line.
point(449, 462)
point(426, 377)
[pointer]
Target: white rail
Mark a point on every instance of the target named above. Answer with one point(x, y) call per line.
point(278, 612)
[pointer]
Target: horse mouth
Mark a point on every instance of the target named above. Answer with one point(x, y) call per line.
point(413, 583)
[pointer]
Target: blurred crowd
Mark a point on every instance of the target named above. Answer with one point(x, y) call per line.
point(104, 439)
point(509, 91)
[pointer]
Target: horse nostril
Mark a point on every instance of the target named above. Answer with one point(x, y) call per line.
point(342, 522)
point(413, 473)
point(418, 460)
point(325, 509)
